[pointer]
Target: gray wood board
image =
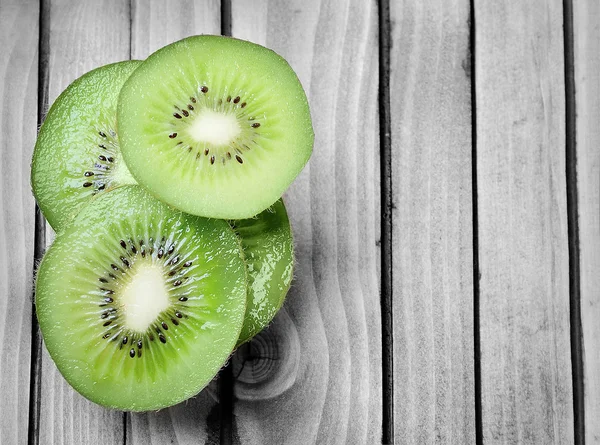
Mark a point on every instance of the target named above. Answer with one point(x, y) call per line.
point(154, 25)
point(432, 217)
point(18, 119)
point(83, 36)
point(314, 376)
point(526, 381)
point(586, 28)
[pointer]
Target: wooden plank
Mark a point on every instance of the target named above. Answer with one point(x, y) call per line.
point(154, 25)
point(586, 28)
point(195, 421)
point(315, 375)
point(83, 36)
point(18, 116)
point(526, 381)
point(432, 237)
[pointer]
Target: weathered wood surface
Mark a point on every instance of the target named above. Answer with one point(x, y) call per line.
point(315, 375)
point(82, 36)
point(526, 386)
point(432, 223)
point(586, 28)
point(18, 118)
point(154, 25)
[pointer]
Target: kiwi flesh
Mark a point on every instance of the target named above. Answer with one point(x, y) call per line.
point(269, 252)
point(77, 153)
point(215, 126)
point(140, 305)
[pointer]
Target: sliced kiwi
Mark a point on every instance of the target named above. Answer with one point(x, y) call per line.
point(269, 251)
point(77, 152)
point(140, 305)
point(215, 126)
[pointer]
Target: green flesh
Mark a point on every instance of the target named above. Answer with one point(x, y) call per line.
point(215, 126)
point(77, 154)
point(81, 286)
point(269, 252)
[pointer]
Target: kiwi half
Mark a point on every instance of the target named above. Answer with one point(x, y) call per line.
point(140, 305)
point(215, 126)
point(269, 252)
point(77, 153)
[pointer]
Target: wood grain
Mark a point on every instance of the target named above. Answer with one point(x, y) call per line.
point(432, 234)
point(524, 314)
point(315, 375)
point(154, 25)
point(195, 421)
point(83, 36)
point(18, 115)
point(586, 27)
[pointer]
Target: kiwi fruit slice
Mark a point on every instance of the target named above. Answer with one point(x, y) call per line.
point(215, 126)
point(77, 153)
point(140, 305)
point(269, 251)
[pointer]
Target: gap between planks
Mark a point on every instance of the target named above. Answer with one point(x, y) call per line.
point(39, 242)
point(573, 227)
point(474, 203)
point(385, 134)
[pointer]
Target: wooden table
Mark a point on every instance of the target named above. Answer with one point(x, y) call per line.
point(447, 227)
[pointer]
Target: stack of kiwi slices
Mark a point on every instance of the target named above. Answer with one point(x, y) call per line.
point(163, 181)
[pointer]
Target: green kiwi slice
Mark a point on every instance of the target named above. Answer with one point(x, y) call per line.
point(215, 126)
point(269, 252)
point(140, 305)
point(77, 153)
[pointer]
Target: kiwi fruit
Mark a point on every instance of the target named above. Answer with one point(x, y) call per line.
point(77, 153)
point(269, 252)
point(215, 126)
point(140, 305)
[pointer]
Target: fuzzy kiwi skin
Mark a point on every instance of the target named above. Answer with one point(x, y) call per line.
point(154, 160)
point(57, 300)
point(67, 143)
point(268, 246)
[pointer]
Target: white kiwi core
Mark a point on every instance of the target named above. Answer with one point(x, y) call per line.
point(214, 127)
point(144, 297)
point(121, 174)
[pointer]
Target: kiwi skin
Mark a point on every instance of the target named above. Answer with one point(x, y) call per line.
point(76, 154)
point(92, 364)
